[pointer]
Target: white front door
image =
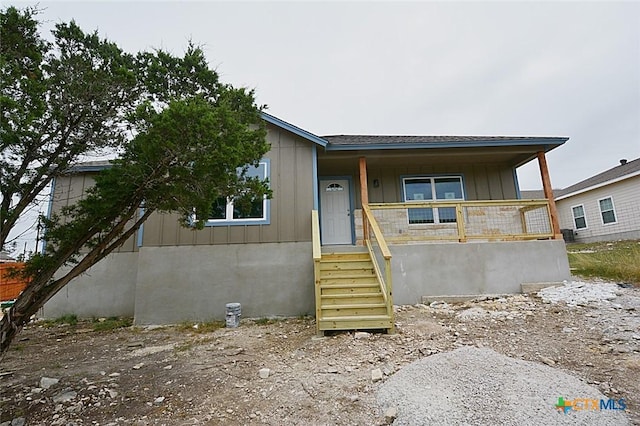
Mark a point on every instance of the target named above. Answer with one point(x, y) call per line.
point(335, 211)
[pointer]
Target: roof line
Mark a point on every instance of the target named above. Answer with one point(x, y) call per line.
point(598, 185)
point(88, 168)
point(548, 144)
point(293, 129)
point(488, 137)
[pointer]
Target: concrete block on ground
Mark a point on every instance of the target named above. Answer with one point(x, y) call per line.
point(536, 287)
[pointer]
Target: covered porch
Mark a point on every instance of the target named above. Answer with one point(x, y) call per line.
point(433, 221)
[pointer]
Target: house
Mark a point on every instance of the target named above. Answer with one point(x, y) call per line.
point(356, 224)
point(603, 207)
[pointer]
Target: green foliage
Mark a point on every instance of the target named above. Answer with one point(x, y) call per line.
point(166, 77)
point(59, 101)
point(21, 55)
point(184, 139)
point(111, 323)
point(69, 319)
point(188, 158)
point(82, 95)
point(619, 260)
point(193, 135)
point(200, 327)
point(267, 321)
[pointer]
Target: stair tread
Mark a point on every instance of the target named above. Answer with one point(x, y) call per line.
point(357, 270)
point(346, 253)
point(345, 260)
point(349, 280)
point(347, 273)
point(355, 306)
point(346, 267)
point(347, 285)
point(350, 295)
point(358, 318)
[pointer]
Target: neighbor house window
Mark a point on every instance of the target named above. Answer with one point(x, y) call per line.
point(225, 212)
point(607, 211)
point(578, 217)
point(424, 188)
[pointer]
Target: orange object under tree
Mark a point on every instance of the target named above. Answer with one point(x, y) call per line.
point(11, 284)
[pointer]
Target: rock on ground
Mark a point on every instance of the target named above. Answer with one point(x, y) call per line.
point(479, 386)
point(580, 293)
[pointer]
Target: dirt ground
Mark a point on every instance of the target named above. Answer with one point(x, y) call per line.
point(177, 376)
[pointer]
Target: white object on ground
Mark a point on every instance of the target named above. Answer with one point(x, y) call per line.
point(580, 293)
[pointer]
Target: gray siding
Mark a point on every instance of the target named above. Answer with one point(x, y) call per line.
point(72, 188)
point(626, 201)
point(291, 180)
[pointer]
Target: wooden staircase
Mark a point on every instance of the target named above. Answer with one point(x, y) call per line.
point(349, 295)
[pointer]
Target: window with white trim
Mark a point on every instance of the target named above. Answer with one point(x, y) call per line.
point(437, 188)
point(225, 212)
point(607, 210)
point(579, 218)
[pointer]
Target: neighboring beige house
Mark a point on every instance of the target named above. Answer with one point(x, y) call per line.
point(604, 207)
point(356, 223)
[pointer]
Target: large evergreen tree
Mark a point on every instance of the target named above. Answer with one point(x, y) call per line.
point(184, 140)
point(59, 102)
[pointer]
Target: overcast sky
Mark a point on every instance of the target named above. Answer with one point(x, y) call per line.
point(432, 68)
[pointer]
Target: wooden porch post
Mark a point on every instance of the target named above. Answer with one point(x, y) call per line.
point(548, 193)
point(364, 197)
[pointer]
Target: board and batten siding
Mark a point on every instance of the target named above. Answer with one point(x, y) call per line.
point(481, 181)
point(69, 189)
point(626, 201)
point(291, 180)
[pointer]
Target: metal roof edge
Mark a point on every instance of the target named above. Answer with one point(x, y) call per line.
point(293, 129)
point(80, 168)
point(549, 144)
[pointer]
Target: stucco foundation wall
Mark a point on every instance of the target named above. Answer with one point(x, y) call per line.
point(193, 283)
point(105, 290)
point(474, 268)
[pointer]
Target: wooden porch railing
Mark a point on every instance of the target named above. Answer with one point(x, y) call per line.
point(503, 220)
point(379, 252)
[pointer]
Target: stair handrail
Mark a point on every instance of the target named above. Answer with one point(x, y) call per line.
point(373, 223)
point(315, 235)
point(385, 281)
point(317, 255)
point(376, 269)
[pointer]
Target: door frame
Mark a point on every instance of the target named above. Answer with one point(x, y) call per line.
point(351, 202)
